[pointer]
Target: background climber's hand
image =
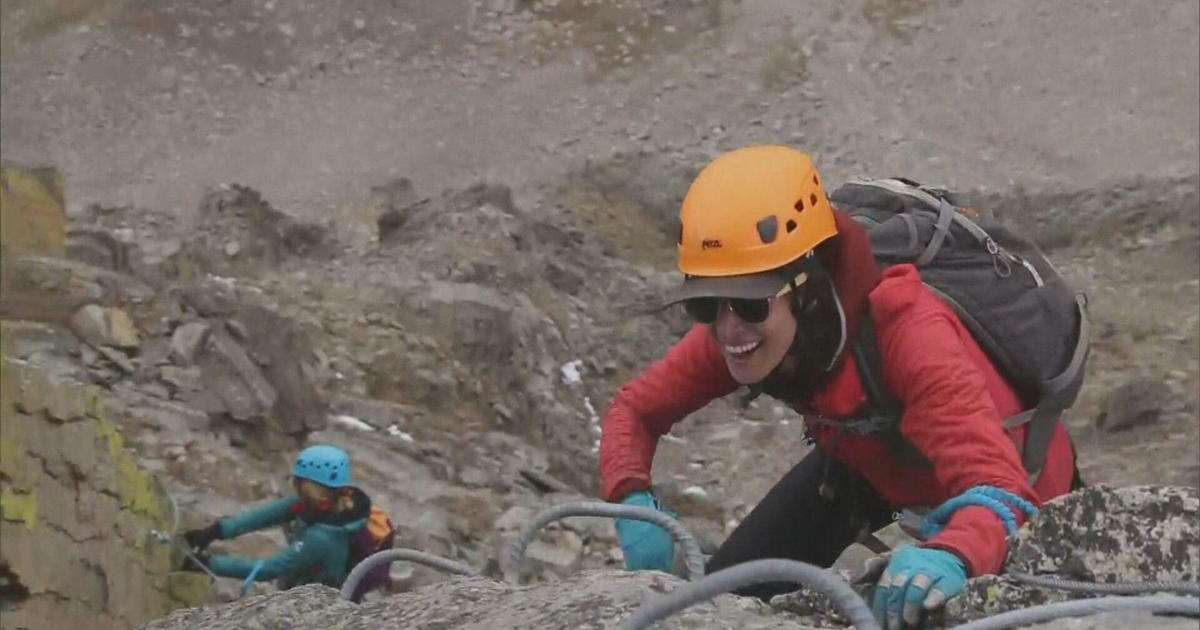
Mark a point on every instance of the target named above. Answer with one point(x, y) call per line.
point(916, 580)
point(646, 545)
point(198, 563)
point(200, 539)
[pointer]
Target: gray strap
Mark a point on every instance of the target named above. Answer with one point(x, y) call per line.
point(1013, 422)
point(946, 213)
point(1037, 439)
point(911, 223)
point(859, 426)
point(967, 224)
point(903, 188)
point(911, 522)
point(1079, 357)
point(1056, 399)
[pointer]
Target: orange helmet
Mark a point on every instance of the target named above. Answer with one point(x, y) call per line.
point(747, 215)
point(752, 210)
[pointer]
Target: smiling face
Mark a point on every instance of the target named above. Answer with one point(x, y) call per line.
point(752, 351)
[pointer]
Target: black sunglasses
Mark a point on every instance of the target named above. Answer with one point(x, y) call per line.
point(706, 309)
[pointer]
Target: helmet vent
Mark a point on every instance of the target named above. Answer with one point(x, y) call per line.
point(791, 225)
point(799, 205)
point(679, 234)
point(815, 181)
point(812, 199)
point(768, 229)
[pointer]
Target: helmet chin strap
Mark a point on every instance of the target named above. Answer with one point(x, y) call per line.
point(817, 271)
point(837, 301)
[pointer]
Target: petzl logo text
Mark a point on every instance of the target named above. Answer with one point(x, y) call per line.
point(711, 243)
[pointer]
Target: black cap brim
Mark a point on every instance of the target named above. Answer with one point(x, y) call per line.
point(751, 286)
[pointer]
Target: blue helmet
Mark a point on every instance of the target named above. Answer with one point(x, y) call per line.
point(325, 464)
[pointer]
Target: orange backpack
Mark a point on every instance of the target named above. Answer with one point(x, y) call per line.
point(378, 534)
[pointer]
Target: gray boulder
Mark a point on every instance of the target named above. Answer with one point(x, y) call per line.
point(237, 231)
point(187, 340)
point(1098, 534)
point(1136, 403)
point(253, 361)
point(1102, 534)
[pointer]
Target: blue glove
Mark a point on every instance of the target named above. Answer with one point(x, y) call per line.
point(647, 546)
point(917, 579)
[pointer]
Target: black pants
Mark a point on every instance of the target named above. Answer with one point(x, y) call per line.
point(794, 521)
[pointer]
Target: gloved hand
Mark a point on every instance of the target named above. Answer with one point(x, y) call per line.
point(197, 563)
point(647, 546)
point(917, 579)
point(199, 539)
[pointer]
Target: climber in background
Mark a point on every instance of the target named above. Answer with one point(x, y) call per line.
point(333, 527)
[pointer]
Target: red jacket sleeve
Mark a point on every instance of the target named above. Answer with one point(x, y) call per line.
point(950, 416)
point(691, 375)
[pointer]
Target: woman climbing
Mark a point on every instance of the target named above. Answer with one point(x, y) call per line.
point(781, 286)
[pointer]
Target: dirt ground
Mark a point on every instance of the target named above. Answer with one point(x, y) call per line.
point(146, 102)
point(597, 112)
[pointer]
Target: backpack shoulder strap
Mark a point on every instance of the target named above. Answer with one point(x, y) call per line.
point(880, 402)
point(1059, 393)
point(870, 363)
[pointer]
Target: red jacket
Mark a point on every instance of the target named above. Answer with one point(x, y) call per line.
point(953, 398)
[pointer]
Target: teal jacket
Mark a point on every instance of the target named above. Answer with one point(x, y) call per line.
point(318, 549)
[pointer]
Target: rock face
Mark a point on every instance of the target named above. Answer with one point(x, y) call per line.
point(394, 201)
point(1133, 404)
point(32, 216)
point(233, 231)
point(252, 360)
point(599, 600)
point(473, 306)
point(1132, 534)
point(237, 229)
point(102, 353)
point(212, 345)
point(1125, 534)
point(76, 509)
point(1098, 534)
point(1058, 218)
point(218, 389)
point(102, 326)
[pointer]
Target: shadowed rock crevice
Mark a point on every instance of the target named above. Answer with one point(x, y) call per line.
point(12, 591)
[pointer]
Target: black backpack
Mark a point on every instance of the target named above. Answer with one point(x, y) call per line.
point(1032, 326)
